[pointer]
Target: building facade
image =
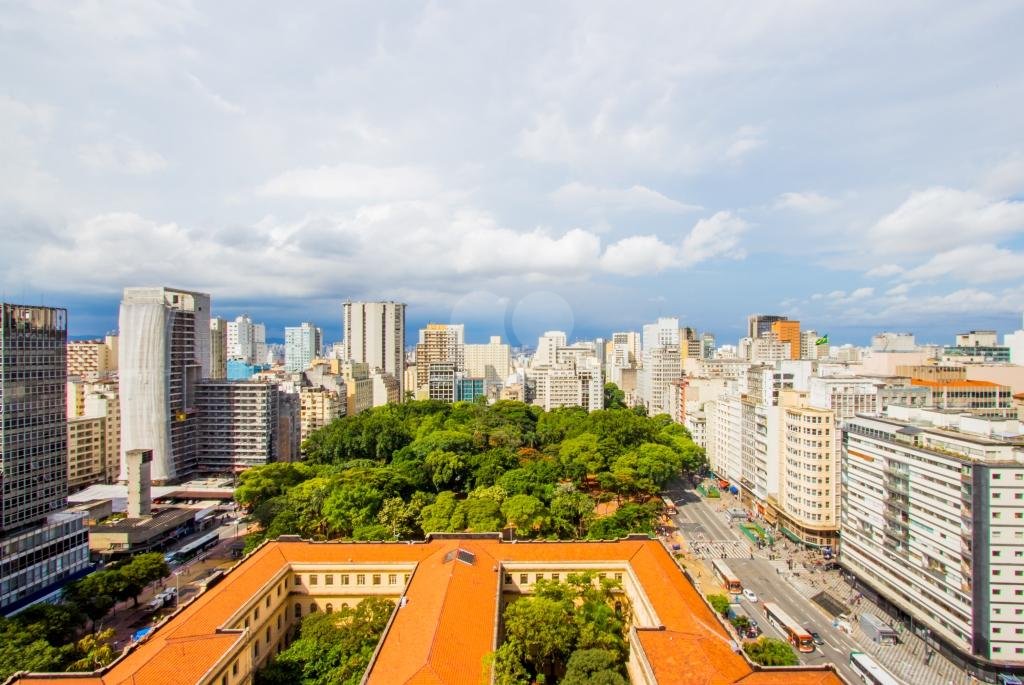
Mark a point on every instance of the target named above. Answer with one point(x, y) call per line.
point(374, 334)
point(439, 343)
point(301, 346)
point(163, 355)
point(92, 358)
point(247, 340)
point(933, 522)
point(238, 425)
point(41, 546)
point(218, 348)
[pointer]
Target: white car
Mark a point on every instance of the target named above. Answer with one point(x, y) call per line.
point(750, 595)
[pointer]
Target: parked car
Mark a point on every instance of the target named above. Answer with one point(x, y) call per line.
point(750, 595)
point(814, 635)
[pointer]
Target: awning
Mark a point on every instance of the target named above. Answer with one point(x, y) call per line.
point(796, 538)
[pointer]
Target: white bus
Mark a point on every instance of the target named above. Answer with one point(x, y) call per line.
point(869, 670)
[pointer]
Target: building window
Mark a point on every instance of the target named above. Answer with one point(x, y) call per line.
point(234, 668)
point(556, 577)
point(268, 601)
point(312, 579)
point(344, 579)
point(329, 579)
point(392, 579)
point(298, 579)
point(376, 579)
point(524, 578)
point(312, 607)
point(298, 610)
point(256, 614)
point(539, 577)
point(360, 579)
point(268, 636)
point(330, 608)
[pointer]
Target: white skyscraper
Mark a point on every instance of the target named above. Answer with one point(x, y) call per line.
point(547, 345)
point(301, 346)
point(492, 361)
point(163, 354)
point(247, 340)
point(1015, 341)
point(375, 335)
point(664, 332)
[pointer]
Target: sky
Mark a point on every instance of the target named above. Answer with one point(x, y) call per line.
point(518, 167)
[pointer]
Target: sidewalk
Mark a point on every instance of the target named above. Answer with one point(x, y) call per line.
point(905, 660)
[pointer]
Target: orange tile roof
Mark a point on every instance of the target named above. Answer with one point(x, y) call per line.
point(447, 627)
point(954, 384)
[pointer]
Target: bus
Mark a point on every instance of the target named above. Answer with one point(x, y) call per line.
point(729, 579)
point(670, 506)
point(208, 541)
point(869, 671)
point(794, 632)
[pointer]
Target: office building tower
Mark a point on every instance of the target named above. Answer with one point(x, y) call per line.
point(570, 384)
point(92, 359)
point(547, 344)
point(441, 381)
point(492, 362)
point(662, 366)
point(301, 346)
point(761, 324)
point(319, 406)
point(41, 547)
point(247, 340)
point(933, 523)
point(788, 331)
point(164, 354)
point(707, 345)
point(374, 334)
point(807, 506)
point(94, 433)
point(218, 348)
point(665, 331)
point(439, 343)
point(976, 347)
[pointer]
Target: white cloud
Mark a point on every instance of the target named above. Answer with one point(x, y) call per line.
point(635, 198)
point(638, 255)
point(746, 140)
point(861, 293)
point(122, 155)
point(214, 98)
point(942, 218)
point(972, 263)
point(808, 202)
point(716, 236)
point(901, 289)
point(1006, 179)
point(884, 271)
point(354, 182)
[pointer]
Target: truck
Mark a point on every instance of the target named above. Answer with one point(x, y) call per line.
point(878, 630)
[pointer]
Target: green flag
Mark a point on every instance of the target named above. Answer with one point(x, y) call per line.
point(823, 340)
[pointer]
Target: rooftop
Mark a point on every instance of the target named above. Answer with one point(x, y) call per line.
point(449, 622)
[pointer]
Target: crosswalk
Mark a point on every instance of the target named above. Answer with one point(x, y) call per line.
point(719, 549)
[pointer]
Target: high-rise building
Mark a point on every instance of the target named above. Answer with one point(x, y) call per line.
point(1014, 342)
point(662, 366)
point(788, 331)
point(976, 347)
point(665, 331)
point(358, 385)
point(492, 362)
point(41, 546)
point(218, 348)
point(164, 354)
point(92, 358)
point(247, 340)
point(301, 346)
point(547, 345)
point(809, 347)
point(761, 324)
point(570, 384)
point(318, 407)
point(375, 335)
point(439, 343)
point(933, 522)
point(238, 425)
point(94, 433)
point(808, 489)
point(441, 381)
point(707, 346)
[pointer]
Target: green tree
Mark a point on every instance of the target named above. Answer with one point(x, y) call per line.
point(95, 651)
point(437, 517)
point(447, 469)
point(571, 513)
point(527, 513)
point(22, 650)
point(142, 570)
point(399, 517)
point(719, 603)
point(614, 398)
point(769, 651)
point(350, 507)
point(594, 667)
point(543, 630)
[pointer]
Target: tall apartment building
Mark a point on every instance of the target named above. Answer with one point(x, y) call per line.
point(301, 346)
point(809, 347)
point(219, 348)
point(164, 354)
point(807, 504)
point(768, 349)
point(358, 386)
point(318, 407)
point(570, 384)
point(439, 342)
point(547, 345)
point(238, 426)
point(41, 547)
point(788, 331)
point(724, 431)
point(689, 343)
point(662, 366)
point(663, 332)
point(622, 353)
point(761, 324)
point(386, 388)
point(94, 433)
point(247, 340)
point(374, 334)
point(933, 522)
point(1014, 342)
point(492, 362)
point(92, 358)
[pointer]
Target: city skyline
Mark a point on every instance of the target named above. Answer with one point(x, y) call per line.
point(704, 164)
